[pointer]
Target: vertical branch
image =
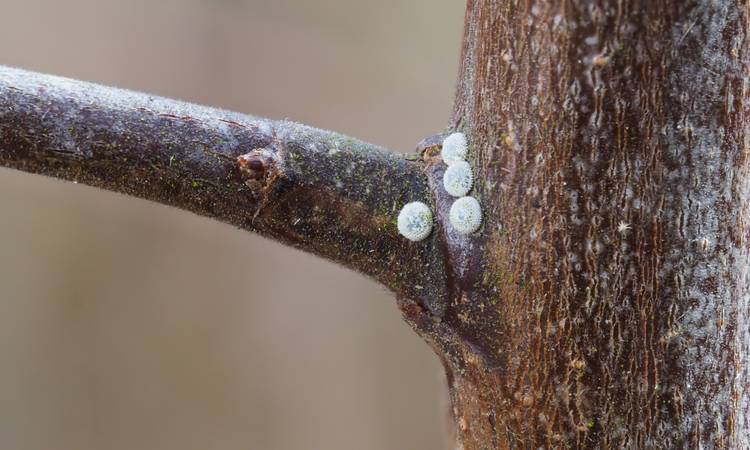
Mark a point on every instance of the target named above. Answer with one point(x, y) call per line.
point(609, 143)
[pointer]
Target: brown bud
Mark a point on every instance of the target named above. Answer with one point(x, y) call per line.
point(429, 149)
point(252, 164)
point(258, 167)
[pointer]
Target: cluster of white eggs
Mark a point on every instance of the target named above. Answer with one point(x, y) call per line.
point(415, 219)
point(465, 214)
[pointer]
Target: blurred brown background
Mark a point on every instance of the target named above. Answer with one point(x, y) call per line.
point(129, 325)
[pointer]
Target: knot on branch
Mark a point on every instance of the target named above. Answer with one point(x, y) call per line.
point(259, 168)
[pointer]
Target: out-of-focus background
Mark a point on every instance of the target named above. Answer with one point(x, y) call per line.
point(129, 325)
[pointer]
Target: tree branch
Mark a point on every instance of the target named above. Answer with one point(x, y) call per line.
point(315, 190)
point(611, 155)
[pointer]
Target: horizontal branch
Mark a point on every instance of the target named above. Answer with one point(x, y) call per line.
point(315, 190)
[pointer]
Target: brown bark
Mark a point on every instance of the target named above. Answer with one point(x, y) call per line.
point(609, 304)
point(603, 303)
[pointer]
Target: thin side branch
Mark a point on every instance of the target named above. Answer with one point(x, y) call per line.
point(315, 190)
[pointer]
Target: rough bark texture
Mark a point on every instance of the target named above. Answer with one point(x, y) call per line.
point(603, 303)
point(609, 304)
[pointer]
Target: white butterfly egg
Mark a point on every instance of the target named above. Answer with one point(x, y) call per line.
point(466, 215)
point(455, 148)
point(415, 221)
point(458, 179)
